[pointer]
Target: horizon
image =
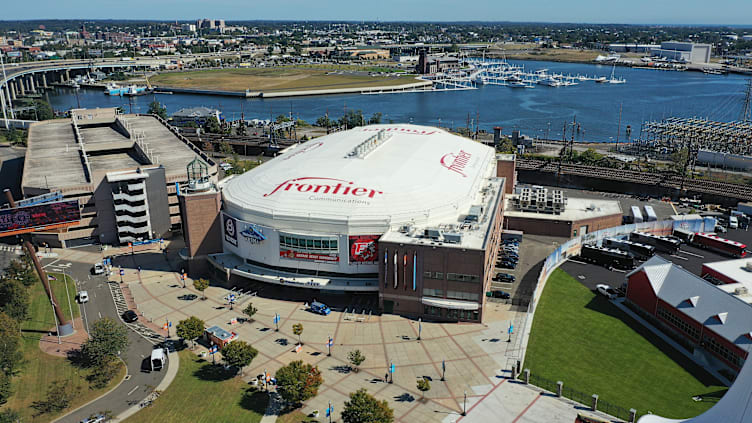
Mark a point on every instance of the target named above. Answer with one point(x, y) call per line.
point(729, 13)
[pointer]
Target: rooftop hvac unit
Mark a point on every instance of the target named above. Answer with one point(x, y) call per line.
point(453, 238)
point(433, 233)
point(742, 290)
point(748, 266)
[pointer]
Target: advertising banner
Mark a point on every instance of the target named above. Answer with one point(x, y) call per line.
point(299, 255)
point(364, 249)
point(28, 219)
point(230, 226)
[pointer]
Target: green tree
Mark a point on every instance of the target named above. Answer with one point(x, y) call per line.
point(324, 122)
point(679, 160)
point(239, 354)
point(423, 386)
point(250, 311)
point(9, 416)
point(10, 344)
point(43, 110)
point(107, 339)
point(212, 126)
point(104, 372)
point(5, 387)
point(298, 382)
point(22, 271)
point(190, 329)
point(356, 358)
point(155, 108)
point(363, 407)
point(59, 396)
point(352, 118)
point(282, 118)
point(14, 299)
point(297, 329)
point(375, 119)
point(226, 148)
point(201, 285)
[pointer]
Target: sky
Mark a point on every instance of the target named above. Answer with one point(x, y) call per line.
point(674, 12)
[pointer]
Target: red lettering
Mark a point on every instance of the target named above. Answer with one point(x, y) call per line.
point(324, 187)
point(373, 193)
point(359, 191)
point(307, 186)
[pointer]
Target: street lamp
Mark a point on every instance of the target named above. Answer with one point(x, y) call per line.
point(464, 405)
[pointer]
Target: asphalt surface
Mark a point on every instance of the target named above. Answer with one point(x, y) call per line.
point(690, 258)
point(139, 382)
point(11, 169)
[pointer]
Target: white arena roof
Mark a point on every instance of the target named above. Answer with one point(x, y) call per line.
point(378, 174)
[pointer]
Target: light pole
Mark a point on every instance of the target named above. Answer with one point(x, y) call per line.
point(443, 370)
point(464, 405)
point(420, 327)
point(330, 411)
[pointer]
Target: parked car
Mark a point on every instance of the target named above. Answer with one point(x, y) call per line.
point(130, 316)
point(606, 291)
point(98, 269)
point(503, 277)
point(499, 294)
point(97, 418)
point(507, 265)
point(83, 297)
point(320, 308)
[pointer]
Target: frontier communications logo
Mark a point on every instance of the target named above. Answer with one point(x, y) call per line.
point(456, 162)
point(330, 186)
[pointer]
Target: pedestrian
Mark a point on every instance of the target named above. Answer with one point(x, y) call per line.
point(386, 377)
point(139, 269)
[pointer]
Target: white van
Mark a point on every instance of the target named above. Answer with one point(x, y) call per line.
point(733, 222)
point(158, 359)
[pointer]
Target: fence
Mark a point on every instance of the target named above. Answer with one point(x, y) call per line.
point(572, 248)
point(579, 396)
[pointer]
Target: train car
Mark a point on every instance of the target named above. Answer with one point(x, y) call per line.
point(721, 245)
point(608, 257)
point(639, 251)
point(661, 243)
point(684, 235)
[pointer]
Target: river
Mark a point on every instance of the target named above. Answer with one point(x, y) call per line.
point(647, 95)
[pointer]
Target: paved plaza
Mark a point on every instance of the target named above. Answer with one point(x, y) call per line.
point(477, 356)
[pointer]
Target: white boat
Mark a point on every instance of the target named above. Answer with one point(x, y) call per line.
point(113, 89)
point(551, 82)
point(614, 80)
point(600, 79)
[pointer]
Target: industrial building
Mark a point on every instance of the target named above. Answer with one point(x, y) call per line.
point(711, 322)
point(684, 52)
point(197, 115)
point(433, 64)
point(540, 211)
point(412, 213)
point(123, 169)
point(632, 47)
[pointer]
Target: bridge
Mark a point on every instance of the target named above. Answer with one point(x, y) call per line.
point(18, 79)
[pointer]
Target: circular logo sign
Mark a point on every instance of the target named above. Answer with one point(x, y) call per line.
point(230, 227)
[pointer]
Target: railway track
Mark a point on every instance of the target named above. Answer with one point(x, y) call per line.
point(743, 192)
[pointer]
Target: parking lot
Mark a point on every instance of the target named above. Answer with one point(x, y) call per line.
point(533, 250)
point(688, 257)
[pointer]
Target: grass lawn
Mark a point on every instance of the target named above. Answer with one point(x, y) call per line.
point(296, 416)
point(274, 79)
point(595, 348)
point(204, 393)
point(39, 369)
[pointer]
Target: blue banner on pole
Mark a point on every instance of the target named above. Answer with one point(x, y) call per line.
point(276, 318)
point(511, 328)
point(391, 368)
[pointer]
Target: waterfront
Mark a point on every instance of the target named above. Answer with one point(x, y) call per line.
point(648, 94)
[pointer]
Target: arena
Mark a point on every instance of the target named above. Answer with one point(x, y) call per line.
point(411, 212)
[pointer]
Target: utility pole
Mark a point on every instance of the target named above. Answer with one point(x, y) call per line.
point(746, 115)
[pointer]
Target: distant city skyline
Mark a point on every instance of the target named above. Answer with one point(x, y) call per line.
point(668, 12)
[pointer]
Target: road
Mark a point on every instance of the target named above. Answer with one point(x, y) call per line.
point(101, 304)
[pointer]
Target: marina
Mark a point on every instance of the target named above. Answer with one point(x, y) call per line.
point(540, 112)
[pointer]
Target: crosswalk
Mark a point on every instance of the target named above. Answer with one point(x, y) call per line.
point(10, 248)
point(122, 306)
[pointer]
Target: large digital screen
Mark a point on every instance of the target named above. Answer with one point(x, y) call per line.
point(364, 248)
point(300, 255)
point(33, 218)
